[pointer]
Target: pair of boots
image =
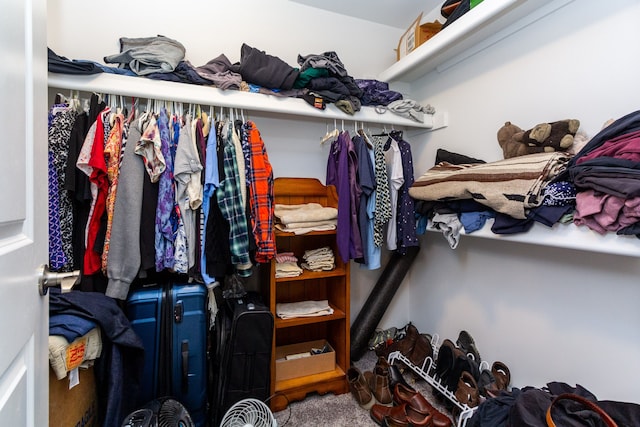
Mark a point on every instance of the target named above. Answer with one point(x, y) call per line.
point(372, 386)
point(413, 345)
point(458, 367)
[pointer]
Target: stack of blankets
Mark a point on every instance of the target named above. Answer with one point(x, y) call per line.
point(304, 218)
point(321, 259)
point(463, 192)
point(510, 186)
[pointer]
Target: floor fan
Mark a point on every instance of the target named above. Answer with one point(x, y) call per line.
point(248, 413)
point(162, 412)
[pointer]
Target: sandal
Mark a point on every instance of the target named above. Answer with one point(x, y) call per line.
point(502, 375)
point(467, 391)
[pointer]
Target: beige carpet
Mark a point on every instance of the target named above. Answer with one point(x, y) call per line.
point(342, 410)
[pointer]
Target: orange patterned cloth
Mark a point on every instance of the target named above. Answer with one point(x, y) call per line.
point(261, 195)
point(112, 154)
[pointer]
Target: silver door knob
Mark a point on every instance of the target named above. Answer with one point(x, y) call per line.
point(48, 279)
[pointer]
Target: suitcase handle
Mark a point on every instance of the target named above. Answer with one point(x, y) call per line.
point(185, 366)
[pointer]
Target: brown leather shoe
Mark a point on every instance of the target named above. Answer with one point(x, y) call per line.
point(378, 382)
point(406, 416)
point(421, 350)
point(359, 388)
point(379, 412)
point(467, 392)
point(383, 365)
point(419, 403)
point(405, 344)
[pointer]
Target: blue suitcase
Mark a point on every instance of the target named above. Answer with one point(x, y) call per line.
point(171, 320)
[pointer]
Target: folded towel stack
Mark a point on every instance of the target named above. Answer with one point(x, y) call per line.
point(303, 218)
point(287, 265)
point(303, 309)
point(321, 259)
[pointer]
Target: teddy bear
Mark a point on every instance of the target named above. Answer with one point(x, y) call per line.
point(511, 148)
point(555, 136)
point(544, 137)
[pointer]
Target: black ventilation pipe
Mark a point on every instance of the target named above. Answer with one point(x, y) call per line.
point(381, 295)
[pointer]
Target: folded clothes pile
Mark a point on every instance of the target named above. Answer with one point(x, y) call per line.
point(321, 259)
point(303, 309)
point(287, 265)
point(303, 218)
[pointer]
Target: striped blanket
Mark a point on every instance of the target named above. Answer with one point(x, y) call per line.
point(510, 186)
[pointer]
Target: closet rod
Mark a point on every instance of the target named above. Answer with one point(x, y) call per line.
point(207, 95)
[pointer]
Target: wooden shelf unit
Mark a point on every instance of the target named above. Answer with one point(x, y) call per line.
point(330, 285)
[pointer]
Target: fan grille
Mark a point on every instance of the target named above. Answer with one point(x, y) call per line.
point(248, 413)
point(173, 414)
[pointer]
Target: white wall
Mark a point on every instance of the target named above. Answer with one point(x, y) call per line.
point(83, 30)
point(549, 313)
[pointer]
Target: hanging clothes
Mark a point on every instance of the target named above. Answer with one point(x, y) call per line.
point(393, 161)
point(163, 236)
point(383, 196)
point(217, 243)
point(187, 170)
point(341, 172)
point(367, 182)
point(78, 186)
point(112, 153)
point(406, 221)
point(230, 201)
point(123, 262)
point(211, 182)
point(181, 257)
point(61, 123)
point(200, 144)
point(91, 161)
point(261, 200)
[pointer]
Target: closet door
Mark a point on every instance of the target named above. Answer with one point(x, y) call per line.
point(23, 213)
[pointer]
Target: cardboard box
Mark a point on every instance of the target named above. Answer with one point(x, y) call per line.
point(73, 407)
point(415, 35)
point(299, 367)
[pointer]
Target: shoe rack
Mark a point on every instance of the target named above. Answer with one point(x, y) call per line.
point(330, 285)
point(428, 372)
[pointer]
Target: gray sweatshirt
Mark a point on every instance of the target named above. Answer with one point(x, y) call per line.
point(123, 260)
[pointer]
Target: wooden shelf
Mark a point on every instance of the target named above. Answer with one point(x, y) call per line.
point(146, 88)
point(309, 379)
point(312, 275)
point(298, 388)
point(484, 25)
point(281, 233)
point(299, 321)
point(332, 286)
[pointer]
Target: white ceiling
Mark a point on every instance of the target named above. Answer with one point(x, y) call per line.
point(395, 13)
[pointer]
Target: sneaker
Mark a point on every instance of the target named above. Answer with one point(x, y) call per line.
point(467, 344)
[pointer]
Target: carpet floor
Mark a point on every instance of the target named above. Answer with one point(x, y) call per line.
point(343, 410)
